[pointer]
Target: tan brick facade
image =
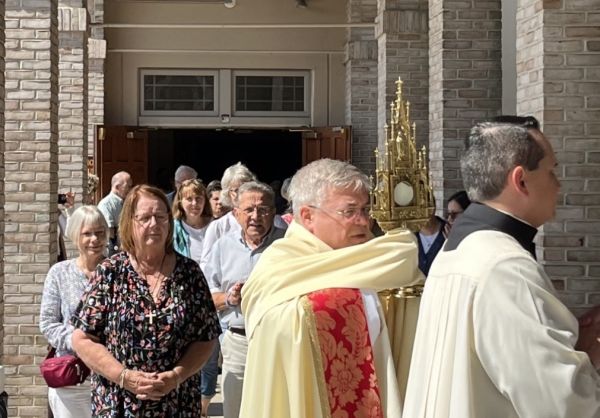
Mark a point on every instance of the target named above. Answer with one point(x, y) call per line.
point(465, 81)
point(31, 180)
point(558, 76)
point(361, 83)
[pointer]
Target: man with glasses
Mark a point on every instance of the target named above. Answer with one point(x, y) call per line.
point(318, 343)
point(228, 266)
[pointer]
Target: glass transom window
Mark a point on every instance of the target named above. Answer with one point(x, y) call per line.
point(178, 93)
point(271, 94)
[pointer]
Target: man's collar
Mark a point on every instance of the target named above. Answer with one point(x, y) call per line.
point(480, 217)
point(264, 239)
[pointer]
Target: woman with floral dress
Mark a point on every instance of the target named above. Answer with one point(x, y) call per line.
point(147, 323)
point(65, 283)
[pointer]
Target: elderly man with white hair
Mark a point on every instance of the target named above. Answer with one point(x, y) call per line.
point(317, 338)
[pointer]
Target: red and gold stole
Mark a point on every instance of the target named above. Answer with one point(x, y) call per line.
point(339, 331)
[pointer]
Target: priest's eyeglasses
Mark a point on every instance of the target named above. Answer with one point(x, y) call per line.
point(349, 214)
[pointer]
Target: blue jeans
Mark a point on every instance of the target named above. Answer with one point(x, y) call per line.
point(209, 374)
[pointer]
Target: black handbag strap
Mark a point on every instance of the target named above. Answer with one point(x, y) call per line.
point(51, 352)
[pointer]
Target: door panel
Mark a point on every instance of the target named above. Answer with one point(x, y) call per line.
point(121, 148)
point(327, 142)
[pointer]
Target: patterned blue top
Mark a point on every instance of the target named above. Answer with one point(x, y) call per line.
point(63, 288)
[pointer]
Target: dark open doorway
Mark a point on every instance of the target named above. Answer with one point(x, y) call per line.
point(271, 154)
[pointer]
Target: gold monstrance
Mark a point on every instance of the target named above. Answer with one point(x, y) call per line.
point(401, 197)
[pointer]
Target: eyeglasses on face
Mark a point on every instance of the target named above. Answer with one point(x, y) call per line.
point(144, 220)
point(260, 210)
point(348, 214)
point(454, 215)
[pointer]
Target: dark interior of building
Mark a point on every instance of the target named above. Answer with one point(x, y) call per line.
point(272, 154)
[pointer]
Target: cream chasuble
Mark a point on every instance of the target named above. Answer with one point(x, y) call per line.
point(283, 378)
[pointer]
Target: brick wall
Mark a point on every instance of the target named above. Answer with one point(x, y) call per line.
point(31, 128)
point(403, 51)
point(73, 100)
point(558, 81)
point(2, 94)
point(361, 84)
point(96, 59)
point(465, 81)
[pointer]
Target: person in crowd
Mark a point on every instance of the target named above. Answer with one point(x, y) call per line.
point(229, 264)
point(64, 285)
point(147, 322)
point(489, 312)
point(233, 177)
point(318, 344)
point(183, 173)
point(431, 239)
point(66, 203)
point(111, 206)
point(457, 204)
point(285, 187)
point(214, 196)
point(192, 214)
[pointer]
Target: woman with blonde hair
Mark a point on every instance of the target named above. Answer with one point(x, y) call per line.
point(65, 283)
point(192, 214)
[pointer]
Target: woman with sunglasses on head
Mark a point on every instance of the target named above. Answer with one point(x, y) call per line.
point(147, 322)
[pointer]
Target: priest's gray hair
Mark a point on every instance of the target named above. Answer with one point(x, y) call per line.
point(311, 184)
point(257, 187)
point(234, 175)
point(492, 150)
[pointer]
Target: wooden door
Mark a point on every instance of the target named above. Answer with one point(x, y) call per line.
point(329, 142)
point(120, 148)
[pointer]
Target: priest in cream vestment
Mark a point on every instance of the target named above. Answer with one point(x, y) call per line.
point(493, 340)
point(317, 341)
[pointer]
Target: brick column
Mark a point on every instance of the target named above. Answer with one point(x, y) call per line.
point(465, 81)
point(2, 148)
point(73, 99)
point(558, 81)
point(96, 59)
point(402, 38)
point(361, 84)
point(30, 242)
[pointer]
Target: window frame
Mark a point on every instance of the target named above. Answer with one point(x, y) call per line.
point(306, 74)
point(179, 113)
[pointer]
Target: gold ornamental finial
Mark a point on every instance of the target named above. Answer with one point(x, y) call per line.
point(401, 196)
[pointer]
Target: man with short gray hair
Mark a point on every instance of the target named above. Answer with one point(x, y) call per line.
point(318, 342)
point(493, 340)
point(183, 173)
point(228, 266)
point(111, 206)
